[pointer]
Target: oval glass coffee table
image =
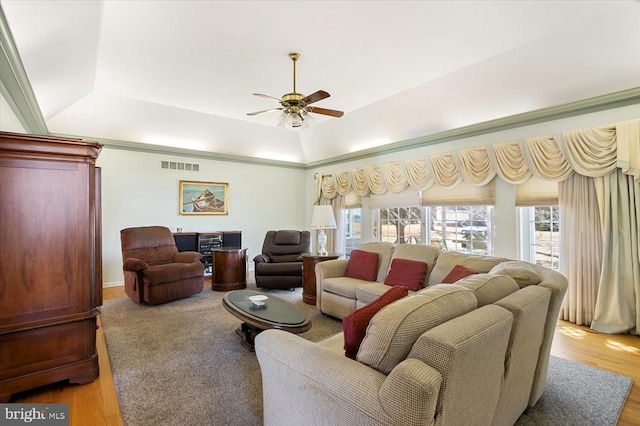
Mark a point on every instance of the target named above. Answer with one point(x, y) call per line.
point(275, 313)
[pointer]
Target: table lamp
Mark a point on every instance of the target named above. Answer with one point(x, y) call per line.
point(322, 219)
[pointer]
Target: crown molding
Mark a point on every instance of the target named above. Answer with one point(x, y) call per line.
point(595, 104)
point(170, 150)
point(15, 86)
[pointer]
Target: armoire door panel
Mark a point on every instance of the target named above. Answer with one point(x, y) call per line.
point(45, 235)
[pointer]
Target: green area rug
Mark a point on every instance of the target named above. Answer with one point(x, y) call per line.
point(182, 363)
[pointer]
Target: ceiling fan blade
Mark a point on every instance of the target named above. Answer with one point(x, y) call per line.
point(266, 110)
point(315, 97)
point(266, 96)
point(324, 111)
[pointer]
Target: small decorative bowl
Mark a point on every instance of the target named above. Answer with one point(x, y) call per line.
point(258, 300)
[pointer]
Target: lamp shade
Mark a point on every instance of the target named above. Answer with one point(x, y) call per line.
point(323, 218)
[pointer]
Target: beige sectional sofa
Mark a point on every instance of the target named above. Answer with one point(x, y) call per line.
point(473, 353)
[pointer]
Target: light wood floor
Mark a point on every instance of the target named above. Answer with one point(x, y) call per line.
point(97, 404)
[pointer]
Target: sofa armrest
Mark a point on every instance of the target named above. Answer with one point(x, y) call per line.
point(331, 269)
point(328, 269)
point(329, 388)
point(412, 383)
point(262, 258)
point(134, 265)
point(186, 257)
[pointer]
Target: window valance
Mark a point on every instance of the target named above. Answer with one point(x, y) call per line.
point(590, 152)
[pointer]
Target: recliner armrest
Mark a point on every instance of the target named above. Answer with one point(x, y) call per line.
point(262, 258)
point(186, 257)
point(134, 265)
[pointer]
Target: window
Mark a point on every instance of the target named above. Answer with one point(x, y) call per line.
point(540, 235)
point(460, 228)
point(400, 225)
point(352, 226)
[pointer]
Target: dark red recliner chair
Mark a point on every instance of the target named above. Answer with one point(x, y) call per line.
point(280, 265)
point(154, 271)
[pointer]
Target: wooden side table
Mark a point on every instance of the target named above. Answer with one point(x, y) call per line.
point(309, 262)
point(229, 268)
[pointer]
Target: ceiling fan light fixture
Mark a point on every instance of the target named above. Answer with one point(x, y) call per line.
point(294, 119)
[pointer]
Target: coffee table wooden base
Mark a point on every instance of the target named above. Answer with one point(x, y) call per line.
point(248, 335)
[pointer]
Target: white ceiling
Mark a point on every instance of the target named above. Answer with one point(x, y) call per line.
point(181, 73)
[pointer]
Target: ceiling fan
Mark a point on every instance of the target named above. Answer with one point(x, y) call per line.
point(296, 107)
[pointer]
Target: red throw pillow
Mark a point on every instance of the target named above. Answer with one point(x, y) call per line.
point(362, 265)
point(355, 324)
point(457, 273)
point(407, 273)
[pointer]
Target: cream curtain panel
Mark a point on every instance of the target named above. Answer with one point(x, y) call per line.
point(581, 259)
point(617, 307)
point(589, 152)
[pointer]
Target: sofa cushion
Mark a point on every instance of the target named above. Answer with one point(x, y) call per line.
point(393, 331)
point(407, 273)
point(355, 324)
point(449, 259)
point(342, 286)
point(368, 292)
point(363, 265)
point(420, 252)
point(489, 288)
point(521, 272)
point(457, 273)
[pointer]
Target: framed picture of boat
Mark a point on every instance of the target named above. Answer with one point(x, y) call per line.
point(204, 198)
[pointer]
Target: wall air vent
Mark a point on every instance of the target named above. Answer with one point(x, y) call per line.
point(174, 165)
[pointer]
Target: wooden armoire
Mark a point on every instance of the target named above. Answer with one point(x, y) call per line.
point(50, 261)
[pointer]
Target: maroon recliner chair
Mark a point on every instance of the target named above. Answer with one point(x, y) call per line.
point(280, 265)
point(154, 271)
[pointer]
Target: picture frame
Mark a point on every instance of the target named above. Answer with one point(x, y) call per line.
point(203, 198)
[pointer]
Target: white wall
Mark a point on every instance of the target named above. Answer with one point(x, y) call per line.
point(136, 191)
point(8, 120)
point(505, 232)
